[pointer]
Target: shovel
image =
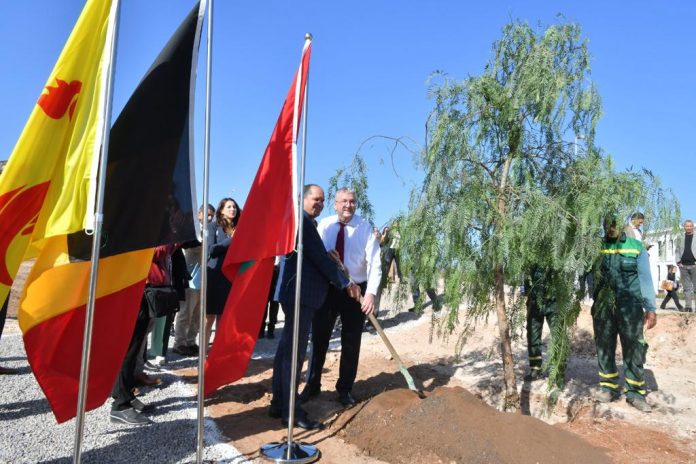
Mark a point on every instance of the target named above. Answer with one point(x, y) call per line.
point(402, 368)
point(395, 355)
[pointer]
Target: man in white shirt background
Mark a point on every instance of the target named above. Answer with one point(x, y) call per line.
point(349, 237)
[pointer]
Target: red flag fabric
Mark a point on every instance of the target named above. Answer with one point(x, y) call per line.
point(266, 229)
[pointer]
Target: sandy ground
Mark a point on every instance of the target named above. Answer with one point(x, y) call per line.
point(453, 425)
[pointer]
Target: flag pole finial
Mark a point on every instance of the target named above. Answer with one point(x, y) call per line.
point(308, 36)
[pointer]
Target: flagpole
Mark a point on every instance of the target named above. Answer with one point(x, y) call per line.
point(296, 452)
point(202, 345)
point(109, 72)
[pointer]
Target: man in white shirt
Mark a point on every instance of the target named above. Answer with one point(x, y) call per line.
point(350, 238)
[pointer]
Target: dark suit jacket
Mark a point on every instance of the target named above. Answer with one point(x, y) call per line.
point(218, 243)
point(318, 271)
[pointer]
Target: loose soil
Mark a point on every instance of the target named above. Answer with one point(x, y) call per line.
point(459, 421)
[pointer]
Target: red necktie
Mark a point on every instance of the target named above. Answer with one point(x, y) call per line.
point(340, 240)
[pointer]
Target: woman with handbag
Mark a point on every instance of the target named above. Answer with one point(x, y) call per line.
point(220, 233)
point(672, 293)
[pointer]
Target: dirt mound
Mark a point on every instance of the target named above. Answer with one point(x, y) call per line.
point(452, 425)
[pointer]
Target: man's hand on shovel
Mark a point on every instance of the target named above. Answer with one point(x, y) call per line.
point(368, 309)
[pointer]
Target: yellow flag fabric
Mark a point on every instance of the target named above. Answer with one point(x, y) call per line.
point(56, 285)
point(45, 186)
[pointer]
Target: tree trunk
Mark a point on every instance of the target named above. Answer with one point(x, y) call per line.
point(512, 399)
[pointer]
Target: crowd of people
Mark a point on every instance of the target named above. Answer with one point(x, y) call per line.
point(345, 265)
point(343, 282)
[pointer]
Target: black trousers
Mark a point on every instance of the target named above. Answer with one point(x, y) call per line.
point(122, 393)
point(3, 314)
point(672, 294)
point(271, 306)
point(352, 322)
point(282, 363)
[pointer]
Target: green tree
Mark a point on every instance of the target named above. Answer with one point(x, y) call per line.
point(506, 187)
point(355, 174)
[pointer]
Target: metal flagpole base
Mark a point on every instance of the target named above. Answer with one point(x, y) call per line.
point(300, 452)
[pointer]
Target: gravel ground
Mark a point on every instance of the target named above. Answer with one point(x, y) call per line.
point(29, 432)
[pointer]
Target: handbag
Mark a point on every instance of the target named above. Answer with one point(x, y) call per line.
point(667, 285)
point(161, 301)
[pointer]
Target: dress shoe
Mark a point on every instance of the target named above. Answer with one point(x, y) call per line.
point(308, 393)
point(346, 399)
point(182, 351)
point(193, 349)
point(305, 423)
point(269, 334)
point(8, 371)
point(141, 407)
point(129, 416)
point(144, 379)
point(150, 365)
point(274, 412)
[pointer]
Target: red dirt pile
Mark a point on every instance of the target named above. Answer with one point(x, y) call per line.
point(453, 426)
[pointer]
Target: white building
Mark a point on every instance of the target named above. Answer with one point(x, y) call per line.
point(661, 254)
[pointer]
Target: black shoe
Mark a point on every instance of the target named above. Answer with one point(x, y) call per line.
point(262, 334)
point(308, 393)
point(269, 334)
point(274, 412)
point(305, 423)
point(346, 399)
point(152, 366)
point(680, 308)
point(8, 371)
point(129, 416)
point(687, 309)
point(662, 307)
point(192, 350)
point(183, 351)
point(141, 407)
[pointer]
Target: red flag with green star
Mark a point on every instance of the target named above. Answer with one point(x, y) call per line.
point(266, 229)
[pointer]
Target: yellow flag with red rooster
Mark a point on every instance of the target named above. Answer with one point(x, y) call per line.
point(45, 187)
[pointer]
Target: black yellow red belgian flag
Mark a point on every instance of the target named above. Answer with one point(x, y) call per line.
point(148, 201)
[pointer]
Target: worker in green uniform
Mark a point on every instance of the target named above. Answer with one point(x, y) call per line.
point(540, 306)
point(622, 292)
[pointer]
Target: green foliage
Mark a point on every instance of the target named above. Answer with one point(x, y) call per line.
point(506, 186)
point(353, 176)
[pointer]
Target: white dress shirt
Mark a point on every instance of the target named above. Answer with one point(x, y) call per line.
point(360, 249)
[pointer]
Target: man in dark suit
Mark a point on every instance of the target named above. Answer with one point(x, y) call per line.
point(318, 271)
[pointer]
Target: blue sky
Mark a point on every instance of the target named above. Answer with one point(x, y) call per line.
point(369, 71)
